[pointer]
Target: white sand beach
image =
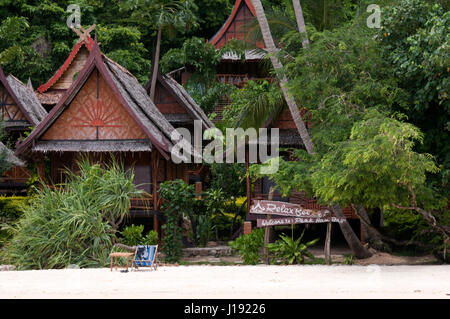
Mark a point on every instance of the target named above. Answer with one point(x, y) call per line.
point(214, 282)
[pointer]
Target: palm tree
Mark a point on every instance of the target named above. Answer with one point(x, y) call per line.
point(170, 15)
point(300, 22)
point(272, 50)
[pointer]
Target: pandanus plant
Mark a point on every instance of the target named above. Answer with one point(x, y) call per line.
point(291, 251)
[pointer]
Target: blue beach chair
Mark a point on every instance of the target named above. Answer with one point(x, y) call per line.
point(146, 256)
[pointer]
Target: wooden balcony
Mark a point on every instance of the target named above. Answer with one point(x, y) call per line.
point(239, 79)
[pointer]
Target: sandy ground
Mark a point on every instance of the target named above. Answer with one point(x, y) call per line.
point(214, 282)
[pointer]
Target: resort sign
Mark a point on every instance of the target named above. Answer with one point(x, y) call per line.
point(293, 214)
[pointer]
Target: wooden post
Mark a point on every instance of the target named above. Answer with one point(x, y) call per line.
point(361, 233)
point(198, 189)
point(267, 232)
point(249, 189)
point(40, 167)
point(328, 244)
point(155, 176)
point(247, 228)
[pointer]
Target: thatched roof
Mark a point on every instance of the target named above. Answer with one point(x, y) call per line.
point(93, 146)
point(129, 93)
point(139, 101)
point(28, 100)
point(10, 157)
point(25, 99)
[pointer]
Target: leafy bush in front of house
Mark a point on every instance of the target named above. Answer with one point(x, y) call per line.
point(10, 210)
point(133, 236)
point(178, 199)
point(249, 246)
point(75, 223)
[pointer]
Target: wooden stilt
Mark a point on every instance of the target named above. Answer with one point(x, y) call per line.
point(361, 233)
point(249, 193)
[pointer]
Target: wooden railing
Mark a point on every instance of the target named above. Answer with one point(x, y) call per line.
point(233, 79)
point(144, 203)
point(239, 79)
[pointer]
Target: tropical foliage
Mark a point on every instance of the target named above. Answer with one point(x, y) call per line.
point(290, 250)
point(369, 146)
point(249, 246)
point(72, 223)
point(133, 236)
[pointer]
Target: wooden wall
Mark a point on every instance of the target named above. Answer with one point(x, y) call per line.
point(166, 102)
point(236, 28)
point(66, 80)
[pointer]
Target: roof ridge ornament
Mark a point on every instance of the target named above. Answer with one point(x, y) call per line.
point(84, 34)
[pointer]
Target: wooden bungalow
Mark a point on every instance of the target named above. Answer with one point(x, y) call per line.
point(107, 112)
point(21, 111)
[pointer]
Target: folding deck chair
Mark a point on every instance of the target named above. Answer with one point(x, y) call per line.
point(146, 256)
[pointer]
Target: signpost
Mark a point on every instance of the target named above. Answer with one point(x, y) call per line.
point(294, 214)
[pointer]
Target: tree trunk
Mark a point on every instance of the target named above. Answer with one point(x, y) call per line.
point(272, 50)
point(301, 23)
point(355, 244)
point(373, 236)
point(156, 65)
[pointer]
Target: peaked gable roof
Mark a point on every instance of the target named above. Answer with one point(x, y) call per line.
point(130, 94)
point(183, 98)
point(87, 43)
point(25, 99)
point(220, 38)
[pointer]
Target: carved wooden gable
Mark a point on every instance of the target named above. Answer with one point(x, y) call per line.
point(95, 114)
point(9, 108)
point(234, 27)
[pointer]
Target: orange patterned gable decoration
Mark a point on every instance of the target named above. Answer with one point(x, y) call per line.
point(96, 114)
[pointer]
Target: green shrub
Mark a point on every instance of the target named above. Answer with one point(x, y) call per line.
point(349, 260)
point(178, 199)
point(205, 229)
point(223, 223)
point(291, 251)
point(151, 238)
point(132, 236)
point(249, 245)
point(73, 224)
point(407, 225)
point(11, 209)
